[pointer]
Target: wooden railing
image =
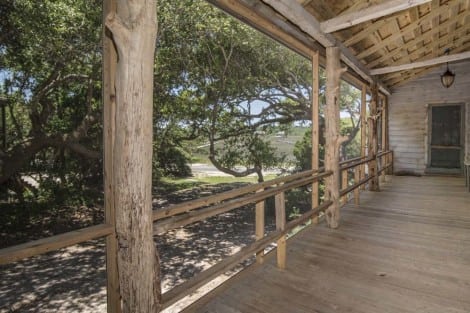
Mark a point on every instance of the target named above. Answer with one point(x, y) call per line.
point(178, 215)
point(355, 171)
point(190, 212)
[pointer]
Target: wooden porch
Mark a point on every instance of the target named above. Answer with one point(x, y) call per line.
point(404, 249)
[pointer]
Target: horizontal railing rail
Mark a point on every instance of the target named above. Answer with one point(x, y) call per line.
point(183, 219)
point(384, 161)
point(197, 281)
point(40, 246)
point(182, 214)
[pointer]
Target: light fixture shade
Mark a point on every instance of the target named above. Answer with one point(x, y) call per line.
point(447, 78)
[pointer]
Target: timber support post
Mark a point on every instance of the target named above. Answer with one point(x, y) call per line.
point(109, 129)
point(363, 131)
point(315, 130)
point(373, 139)
point(333, 139)
point(128, 97)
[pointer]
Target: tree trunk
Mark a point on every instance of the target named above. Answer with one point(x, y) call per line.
point(333, 139)
point(134, 33)
point(373, 143)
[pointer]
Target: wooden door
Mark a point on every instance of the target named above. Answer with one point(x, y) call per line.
point(446, 144)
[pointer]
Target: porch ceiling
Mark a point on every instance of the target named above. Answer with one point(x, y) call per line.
point(419, 33)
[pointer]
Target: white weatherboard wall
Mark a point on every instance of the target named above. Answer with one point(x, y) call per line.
point(409, 114)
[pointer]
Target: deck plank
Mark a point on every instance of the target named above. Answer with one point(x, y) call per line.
point(404, 249)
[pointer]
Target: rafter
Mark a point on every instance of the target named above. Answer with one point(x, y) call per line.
point(408, 29)
point(435, 61)
point(460, 33)
point(297, 15)
point(372, 12)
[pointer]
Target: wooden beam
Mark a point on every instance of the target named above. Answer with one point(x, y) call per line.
point(372, 148)
point(262, 19)
point(315, 128)
point(363, 130)
point(462, 34)
point(333, 140)
point(109, 130)
point(36, 247)
point(409, 28)
point(370, 13)
point(435, 61)
point(297, 15)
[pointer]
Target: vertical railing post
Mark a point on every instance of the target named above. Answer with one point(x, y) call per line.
point(109, 112)
point(357, 178)
point(280, 204)
point(259, 227)
point(344, 184)
point(315, 130)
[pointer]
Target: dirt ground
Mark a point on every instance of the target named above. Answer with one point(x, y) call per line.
point(73, 279)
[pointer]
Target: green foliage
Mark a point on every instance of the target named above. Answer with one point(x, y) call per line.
point(303, 152)
point(50, 60)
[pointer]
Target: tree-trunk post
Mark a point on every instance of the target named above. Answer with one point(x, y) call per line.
point(133, 28)
point(386, 133)
point(333, 139)
point(363, 131)
point(315, 130)
point(373, 140)
point(109, 128)
point(383, 161)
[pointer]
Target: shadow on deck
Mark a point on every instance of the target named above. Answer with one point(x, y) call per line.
point(405, 249)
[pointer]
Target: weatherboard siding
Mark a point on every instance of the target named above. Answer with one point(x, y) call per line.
point(409, 106)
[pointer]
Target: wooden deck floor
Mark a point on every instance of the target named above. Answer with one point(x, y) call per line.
point(405, 249)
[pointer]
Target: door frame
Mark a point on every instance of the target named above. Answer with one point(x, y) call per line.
point(462, 138)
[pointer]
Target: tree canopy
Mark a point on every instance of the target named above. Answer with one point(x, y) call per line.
point(217, 82)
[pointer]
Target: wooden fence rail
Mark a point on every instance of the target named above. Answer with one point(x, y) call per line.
point(189, 212)
point(36, 247)
point(384, 160)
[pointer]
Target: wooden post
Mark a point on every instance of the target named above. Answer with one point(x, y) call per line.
point(333, 139)
point(383, 159)
point(109, 129)
point(134, 30)
point(315, 130)
point(386, 136)
point(259, 227)
point(372, 143)
point(363, 130)
point(281, 225)
point(357, 178)
point(344, 184)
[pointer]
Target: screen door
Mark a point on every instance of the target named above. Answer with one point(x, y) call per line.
point(446, 136)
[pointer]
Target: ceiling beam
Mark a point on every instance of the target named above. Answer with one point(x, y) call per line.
point(410, 28)
point(297, 15)
point(435, 61)
point(370, 13)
